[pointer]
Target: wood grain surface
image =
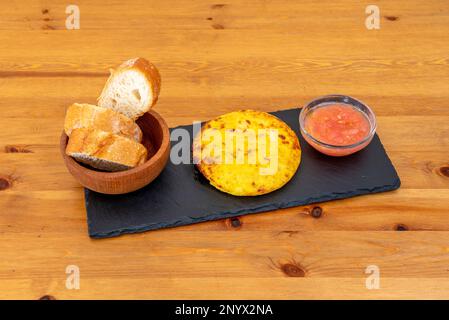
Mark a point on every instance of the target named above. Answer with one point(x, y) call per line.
point(215, 57)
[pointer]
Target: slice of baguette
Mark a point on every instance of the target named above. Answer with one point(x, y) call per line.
point(105, 150)
point(83, 115)
point(132, 89)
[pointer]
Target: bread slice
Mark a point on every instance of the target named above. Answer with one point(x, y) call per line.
point(105, 150)
point(83, 115)
point(132, 89)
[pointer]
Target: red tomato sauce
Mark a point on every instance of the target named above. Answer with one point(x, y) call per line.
point(337, 124)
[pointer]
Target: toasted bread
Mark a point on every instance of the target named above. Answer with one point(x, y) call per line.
point(83, 115)
point(105, 150)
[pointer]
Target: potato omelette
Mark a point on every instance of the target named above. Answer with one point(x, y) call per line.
point(247, 153)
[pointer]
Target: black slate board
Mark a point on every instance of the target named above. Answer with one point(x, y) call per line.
point(179, 195)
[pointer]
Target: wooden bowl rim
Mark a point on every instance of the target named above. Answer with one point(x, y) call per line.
point(120, 174)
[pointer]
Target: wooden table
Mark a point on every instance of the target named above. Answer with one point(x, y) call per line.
point(215, 57)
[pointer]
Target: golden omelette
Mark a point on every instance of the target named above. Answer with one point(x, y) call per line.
point(247, 153)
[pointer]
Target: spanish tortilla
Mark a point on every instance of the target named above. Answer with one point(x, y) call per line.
point(256, 154)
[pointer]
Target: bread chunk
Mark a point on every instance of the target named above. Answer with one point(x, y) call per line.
point(83, 115)
point(105, 150)
point(132, 89)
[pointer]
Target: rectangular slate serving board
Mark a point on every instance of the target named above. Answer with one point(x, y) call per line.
point(180, 196)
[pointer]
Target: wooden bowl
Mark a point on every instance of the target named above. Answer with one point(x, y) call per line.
point(156, 138)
